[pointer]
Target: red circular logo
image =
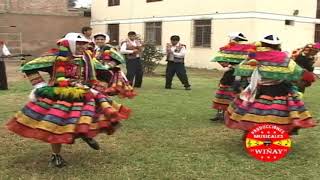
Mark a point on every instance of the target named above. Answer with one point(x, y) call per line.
point(268, 143)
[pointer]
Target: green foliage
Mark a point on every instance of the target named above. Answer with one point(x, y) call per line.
point(151, 57)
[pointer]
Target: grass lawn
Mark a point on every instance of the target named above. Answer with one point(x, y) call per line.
point(169, 136)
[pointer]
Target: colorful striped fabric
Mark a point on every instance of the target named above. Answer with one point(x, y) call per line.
point(233, 52)
point(271, 64)
point(288, 112)
point(60, 122)
point(268, 55)
point(117, 56)
point(223, 97)
point(48, 61)
point(108, 53)
point(114, 82)
point(118, 83)
point(67, 108)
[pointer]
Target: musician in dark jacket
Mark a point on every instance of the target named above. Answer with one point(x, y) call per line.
point(175, 57)
point(132, 49)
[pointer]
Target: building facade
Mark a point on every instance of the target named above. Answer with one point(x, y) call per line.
point(33, 26)
point(203, 25)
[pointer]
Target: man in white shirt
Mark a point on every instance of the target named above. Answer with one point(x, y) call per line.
point(4, 50)
point(132, 48)
point(3, 76)
point(175, 57)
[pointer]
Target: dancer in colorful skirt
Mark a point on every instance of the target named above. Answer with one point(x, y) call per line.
point(116, 81)
point(230, 55)
point(269, 98)
point(305, 58)
point(69, 106)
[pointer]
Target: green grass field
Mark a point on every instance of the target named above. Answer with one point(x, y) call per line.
point(169, 136)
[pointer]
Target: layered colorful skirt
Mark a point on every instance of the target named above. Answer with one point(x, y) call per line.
point(223, 97)
point(120, 85)
point(285, 110)
point(59, 115)
point(117, 84)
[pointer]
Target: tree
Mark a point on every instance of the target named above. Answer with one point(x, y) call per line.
point(151, 58)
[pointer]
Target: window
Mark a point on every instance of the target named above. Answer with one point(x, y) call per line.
point(153, 0)
point(113, 2)
point(289, 22)
point(317, 33)
point(87, 13)
point(318, 9)
point(113, 31)
point(153, 32)
point(202, 33)
point(317, 26)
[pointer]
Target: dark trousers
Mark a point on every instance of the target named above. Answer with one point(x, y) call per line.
point(3, 75)
point(172, 69)
point(134, 71)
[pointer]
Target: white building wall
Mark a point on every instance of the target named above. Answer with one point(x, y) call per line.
point(255, 18)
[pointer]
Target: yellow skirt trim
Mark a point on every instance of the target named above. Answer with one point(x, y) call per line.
point(289, 69)
point(222, 101)
point(54, 128)
point(268, 118)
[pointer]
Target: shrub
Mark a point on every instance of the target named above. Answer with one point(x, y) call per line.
point(151, 57)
